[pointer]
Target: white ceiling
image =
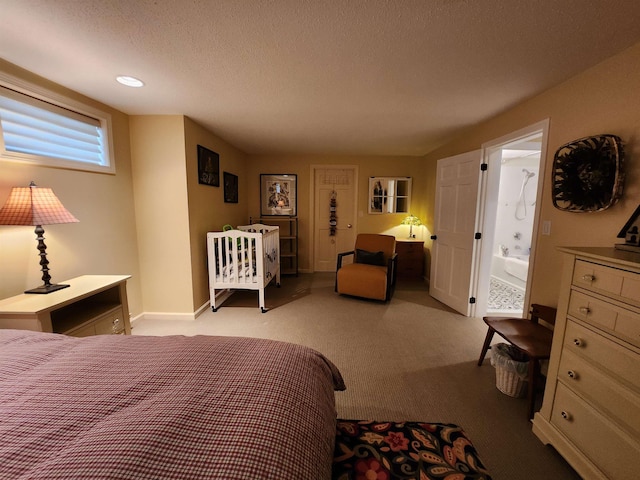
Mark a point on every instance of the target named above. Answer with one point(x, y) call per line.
point(369, 77)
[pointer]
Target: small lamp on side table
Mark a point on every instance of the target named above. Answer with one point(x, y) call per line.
point(412, 221)
point(36, 206)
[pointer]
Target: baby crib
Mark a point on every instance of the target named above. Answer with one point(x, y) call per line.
point(247, 259)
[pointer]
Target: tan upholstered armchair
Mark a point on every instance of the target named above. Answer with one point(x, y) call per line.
point(373, 271)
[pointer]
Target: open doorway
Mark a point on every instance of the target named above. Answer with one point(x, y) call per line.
point(510, 221)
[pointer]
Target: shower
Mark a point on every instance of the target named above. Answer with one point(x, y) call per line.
point(521, 199)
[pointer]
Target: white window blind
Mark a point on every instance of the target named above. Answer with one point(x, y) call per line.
point(31, 127)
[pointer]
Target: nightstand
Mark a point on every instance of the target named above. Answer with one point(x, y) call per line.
point(91, 305)
point(410, 259)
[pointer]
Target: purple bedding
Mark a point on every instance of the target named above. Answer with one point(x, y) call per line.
point(133, 407)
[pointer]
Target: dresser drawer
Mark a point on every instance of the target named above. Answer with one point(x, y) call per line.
point(619, 361)
point(408, 248)
point(622, 284)
point(411, 268)
point(618, 321)
point(616, 453)
point(618, 401)
point(110, 323)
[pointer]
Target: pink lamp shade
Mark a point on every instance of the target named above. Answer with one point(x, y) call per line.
point(36, 206)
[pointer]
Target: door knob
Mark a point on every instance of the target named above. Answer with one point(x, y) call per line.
point(349, 225)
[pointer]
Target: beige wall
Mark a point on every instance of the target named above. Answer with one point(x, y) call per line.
point(162, 215)
point(175, 212)
point(207, 209)
point(104, 242)
point(604, 99)
point(367, 166)
point(161, 243)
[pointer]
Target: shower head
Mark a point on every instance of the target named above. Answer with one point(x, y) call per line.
point(527, 173)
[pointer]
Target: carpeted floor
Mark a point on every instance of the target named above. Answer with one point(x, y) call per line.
point(274, 297)
point(411, 359)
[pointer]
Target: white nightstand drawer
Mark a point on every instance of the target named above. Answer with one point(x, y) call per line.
point(617, 360)
point(616, 453)
point(615, 399)
point(110, 323)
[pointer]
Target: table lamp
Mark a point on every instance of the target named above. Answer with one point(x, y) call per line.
point(412, 221)
point(36, 206)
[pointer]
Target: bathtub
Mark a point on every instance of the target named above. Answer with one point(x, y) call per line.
point(512, 269)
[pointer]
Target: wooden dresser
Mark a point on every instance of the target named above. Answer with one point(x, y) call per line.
point(591, 408)
point(91, 305)
point(410, 259)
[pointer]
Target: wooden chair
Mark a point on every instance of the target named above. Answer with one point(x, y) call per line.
point(529, 337)
point(373, 271)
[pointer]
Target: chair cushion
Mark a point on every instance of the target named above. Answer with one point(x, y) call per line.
point(370, 258)
point(363, 280)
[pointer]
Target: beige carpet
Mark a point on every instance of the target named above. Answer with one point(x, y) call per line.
point(411, 359)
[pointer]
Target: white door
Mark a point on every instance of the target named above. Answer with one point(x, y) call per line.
point(340, 182)
point(456, 205)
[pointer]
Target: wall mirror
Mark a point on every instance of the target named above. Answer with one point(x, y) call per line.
point(389, 194)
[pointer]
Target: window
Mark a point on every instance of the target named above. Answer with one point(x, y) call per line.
point(44, 128)
point(389, 194)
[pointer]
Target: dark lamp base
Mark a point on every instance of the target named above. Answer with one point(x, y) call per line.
point(46, 288)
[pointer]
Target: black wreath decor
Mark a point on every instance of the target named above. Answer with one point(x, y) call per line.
point(588, 174)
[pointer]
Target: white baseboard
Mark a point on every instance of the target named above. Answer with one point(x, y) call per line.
point(171, 316)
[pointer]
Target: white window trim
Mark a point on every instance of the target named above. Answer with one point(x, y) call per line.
point(22, 86)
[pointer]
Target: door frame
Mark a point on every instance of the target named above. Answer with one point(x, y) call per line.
point(312, 204)
point(489, 189)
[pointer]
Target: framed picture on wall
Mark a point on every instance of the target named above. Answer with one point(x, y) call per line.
point(278, 194)
point(230, 187)
point(208, 167)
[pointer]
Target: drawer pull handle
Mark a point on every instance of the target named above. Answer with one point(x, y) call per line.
point(572, 374)
point(116, 325)
point(584, 310)
point(588, 277)
point(578, 342)
point(565, 415)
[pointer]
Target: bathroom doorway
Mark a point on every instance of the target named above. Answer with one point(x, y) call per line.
point(510, 221)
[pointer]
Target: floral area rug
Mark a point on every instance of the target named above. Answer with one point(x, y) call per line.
point(504, 297)
point(408, 450)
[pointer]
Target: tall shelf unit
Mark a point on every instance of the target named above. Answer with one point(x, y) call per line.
point(288, 241)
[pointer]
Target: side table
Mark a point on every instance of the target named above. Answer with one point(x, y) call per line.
point(410, 259)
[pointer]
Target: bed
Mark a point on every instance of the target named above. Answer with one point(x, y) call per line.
point(175, 407)
point(247, 258)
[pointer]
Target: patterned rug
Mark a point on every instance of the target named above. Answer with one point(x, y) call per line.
point(503, 296)
point(406, 450)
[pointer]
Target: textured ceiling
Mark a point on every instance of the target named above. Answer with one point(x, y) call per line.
point(393, 77)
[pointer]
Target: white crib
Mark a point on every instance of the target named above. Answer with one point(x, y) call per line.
point(247, 259)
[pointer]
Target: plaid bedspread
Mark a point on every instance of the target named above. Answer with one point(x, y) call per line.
point(132, 407)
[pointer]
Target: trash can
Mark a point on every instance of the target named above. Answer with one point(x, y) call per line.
point(512, 368)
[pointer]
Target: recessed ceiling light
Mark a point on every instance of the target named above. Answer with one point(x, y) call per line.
point(129, 81)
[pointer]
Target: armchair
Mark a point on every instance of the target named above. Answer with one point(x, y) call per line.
point(373, 271)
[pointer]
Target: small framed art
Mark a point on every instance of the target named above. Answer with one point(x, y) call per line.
point(278, 194)
point(208, 167)
point(230, 187)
